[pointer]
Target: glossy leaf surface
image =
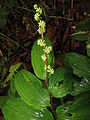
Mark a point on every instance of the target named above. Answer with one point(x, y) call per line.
point(60, 83)
point(30, 90)
point(62, 112)
point(79, 63)
point(16, 109)
point(80, 109)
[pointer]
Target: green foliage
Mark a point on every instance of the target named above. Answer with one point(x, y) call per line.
point(13, 70)
point(88, 47)
point(62, 112)
point(35, 96)
point(37, 63)
point(5, 7)
point(80, 36)
point(82, 86)
point(30, 90)
point(79, 63)
point(83, 30)
point(3, 100)
point(16, 109)
point(60, 84)
point(84, 25)
point(81, 107)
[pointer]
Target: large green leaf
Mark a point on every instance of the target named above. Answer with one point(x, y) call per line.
point(16, 109)
point(37, 63)
point(60, 84)
point(80, 36)
point(83, 86)
point(30, 89)
point(80, 109)
point(79, 63)
point(62, 112)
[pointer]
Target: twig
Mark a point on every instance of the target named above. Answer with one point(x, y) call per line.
point(60, 17)
point(4, 37)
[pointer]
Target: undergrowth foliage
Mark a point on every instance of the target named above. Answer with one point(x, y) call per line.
point(37, 100)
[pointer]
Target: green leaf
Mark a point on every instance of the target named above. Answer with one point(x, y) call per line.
point(60, 84)
point(3, 101)
point(84, 25)
point(37, 63)
point(31, 91)
point(62, 112)
point(83, 86)
point(81, 107)
point(16, 109)
point(12, 87)
point(79, 63)
point(88, 47)
point(80, 36)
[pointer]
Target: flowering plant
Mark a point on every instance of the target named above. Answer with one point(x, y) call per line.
point(43, 97)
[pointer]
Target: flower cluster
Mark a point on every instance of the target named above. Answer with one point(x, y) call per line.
point(49, 69)
point(40, 42)
point(48, 49)
point(41, 23)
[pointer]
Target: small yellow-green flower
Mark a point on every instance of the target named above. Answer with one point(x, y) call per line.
point(40, 42)
point(41, 24)
point(39, 10)
point(43, 57)
point(35, 7)
point(48, 49)
point(36, 16)
point(49, 69)
point(40, 30)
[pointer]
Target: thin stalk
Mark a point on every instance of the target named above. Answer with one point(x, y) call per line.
point(51, 101)
point(46, 60)
point(47, 81)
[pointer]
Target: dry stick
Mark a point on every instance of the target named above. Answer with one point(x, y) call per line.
point(72, 7)
point(71, 4)
point(47, 81)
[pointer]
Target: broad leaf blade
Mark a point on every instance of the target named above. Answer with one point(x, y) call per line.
point(37, 63)
point(60, 84)
point(62, 112)
point(16, 109)
point(81, 107)
point(83, 86)
point(30, 89)
point(79, 63)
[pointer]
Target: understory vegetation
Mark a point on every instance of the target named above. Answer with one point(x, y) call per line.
point(44, 60)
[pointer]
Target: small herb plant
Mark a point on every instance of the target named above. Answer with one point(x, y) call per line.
point(45, 96)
